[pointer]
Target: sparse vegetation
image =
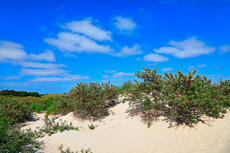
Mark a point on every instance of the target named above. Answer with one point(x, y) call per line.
point(68, 150)
point(91, 127)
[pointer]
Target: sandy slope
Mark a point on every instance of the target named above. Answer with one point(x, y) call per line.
point(120, 133)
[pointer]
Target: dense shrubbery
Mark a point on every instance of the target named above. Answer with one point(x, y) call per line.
point(48, 105)
point(19, 93)
point(14, 110)
point(184, 98)
point(90, 99)
point(13, 140)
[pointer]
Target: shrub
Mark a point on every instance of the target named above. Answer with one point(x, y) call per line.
point(14, 110)
point(62, 105)
point(68, 150)
point(12, 140)
point(92, 127)
point(90, 99)
point(51, 127)
point(48, 105)
point(37, 107)
point(184, 98)
point(4, 125)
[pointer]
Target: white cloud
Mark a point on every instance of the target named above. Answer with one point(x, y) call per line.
point(85, 27)
point(116, 79)
point(224, 49)
point(6, 84)
point(69, 55)
point(216, 66)
point(14, 53)
point(167, 69)
point(112, 71)
point(105, 76)
point(56, 79)
point(76, 43)
point(152, 64)
point(202, 65)
point(217, 75)
point(124, 24)
point(10, 77)
point(11, 51)
point(138, 59)
point(126, 51)
point(155, 58)
point(40, 65)
point(48, 55)
point(186, 49)
point(104, 80)
point(121, 74)
point(191, 67)
point(43, 72)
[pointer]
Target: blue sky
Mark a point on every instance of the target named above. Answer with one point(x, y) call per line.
point(49, 46)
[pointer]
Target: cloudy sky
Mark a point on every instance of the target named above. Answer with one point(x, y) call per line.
point(49, 46)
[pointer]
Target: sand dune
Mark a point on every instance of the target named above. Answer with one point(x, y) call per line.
point(121, 133)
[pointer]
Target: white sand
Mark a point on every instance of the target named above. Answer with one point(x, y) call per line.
point(120, 133)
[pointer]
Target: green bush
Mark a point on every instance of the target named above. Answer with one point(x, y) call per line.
point(14, 110)
point(37, 107)
point(48, 105)
point(90, 99)
point(12, 140)
point(183, 98)
point(126, 87)
point(4, 125)
point(16, 141)
point(91, 127)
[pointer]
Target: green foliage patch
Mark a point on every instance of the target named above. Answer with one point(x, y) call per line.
point(126, 87)
point(92, 99)
point(68, 150)
point(184, 98)
point(91, 127)
point(14, 111)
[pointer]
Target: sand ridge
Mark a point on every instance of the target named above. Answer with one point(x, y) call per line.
point(121, 133)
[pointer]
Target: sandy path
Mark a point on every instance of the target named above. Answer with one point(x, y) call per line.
point(121, 133)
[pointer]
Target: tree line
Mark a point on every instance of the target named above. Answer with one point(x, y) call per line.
point(19, 93)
